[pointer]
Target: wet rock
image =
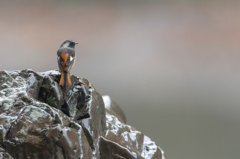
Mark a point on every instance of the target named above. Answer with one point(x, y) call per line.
point(4, 154)
point(50, 92)
point(113, 109)
point(86, 107)
point(39, 119)
point(124, 141)
point(95, 124)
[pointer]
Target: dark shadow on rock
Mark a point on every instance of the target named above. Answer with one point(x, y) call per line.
point(4, 154)
point(50, 93)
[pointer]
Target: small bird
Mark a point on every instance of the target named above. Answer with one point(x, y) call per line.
point(66, 58)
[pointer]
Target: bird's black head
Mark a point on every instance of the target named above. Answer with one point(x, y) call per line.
point(69, 43)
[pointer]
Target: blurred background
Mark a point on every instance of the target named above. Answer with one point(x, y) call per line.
point(172, 66)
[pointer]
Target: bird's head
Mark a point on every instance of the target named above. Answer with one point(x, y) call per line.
point(69, 43)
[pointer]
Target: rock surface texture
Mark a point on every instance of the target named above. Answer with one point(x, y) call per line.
point(41, 120)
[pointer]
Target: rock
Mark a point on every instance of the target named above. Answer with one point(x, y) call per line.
point(4, 154)
point(39, 119)
point(124, 141)
point(113, 109)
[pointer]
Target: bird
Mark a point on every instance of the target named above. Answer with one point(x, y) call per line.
point(66, 58)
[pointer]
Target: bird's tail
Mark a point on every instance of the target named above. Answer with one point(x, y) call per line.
point(65, 76)
point(65, 79)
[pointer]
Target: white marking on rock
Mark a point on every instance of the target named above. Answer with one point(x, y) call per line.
point(65, 130)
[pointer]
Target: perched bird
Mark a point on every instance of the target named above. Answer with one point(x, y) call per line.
point(66, 58)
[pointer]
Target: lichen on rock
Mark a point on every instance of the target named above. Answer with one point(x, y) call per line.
point(39, 119)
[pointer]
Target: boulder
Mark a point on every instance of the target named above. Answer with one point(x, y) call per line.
point(40, 119)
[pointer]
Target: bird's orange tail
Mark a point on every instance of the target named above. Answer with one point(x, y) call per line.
point(65, 79)
point(61, 83)
point(65, 76)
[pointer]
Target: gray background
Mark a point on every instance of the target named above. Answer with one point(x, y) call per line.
point(172, 66)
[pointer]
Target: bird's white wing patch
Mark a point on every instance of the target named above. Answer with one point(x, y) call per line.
point(71, 58)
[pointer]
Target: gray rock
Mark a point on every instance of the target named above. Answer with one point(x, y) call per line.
point(39, 119)
point(4, 154)
point(123, 141)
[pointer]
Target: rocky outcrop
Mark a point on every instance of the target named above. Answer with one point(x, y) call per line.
point(39, 119)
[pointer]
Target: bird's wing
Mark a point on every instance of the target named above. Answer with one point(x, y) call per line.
point(70, 60)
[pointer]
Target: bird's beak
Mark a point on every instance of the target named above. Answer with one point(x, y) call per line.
point(76, 42)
